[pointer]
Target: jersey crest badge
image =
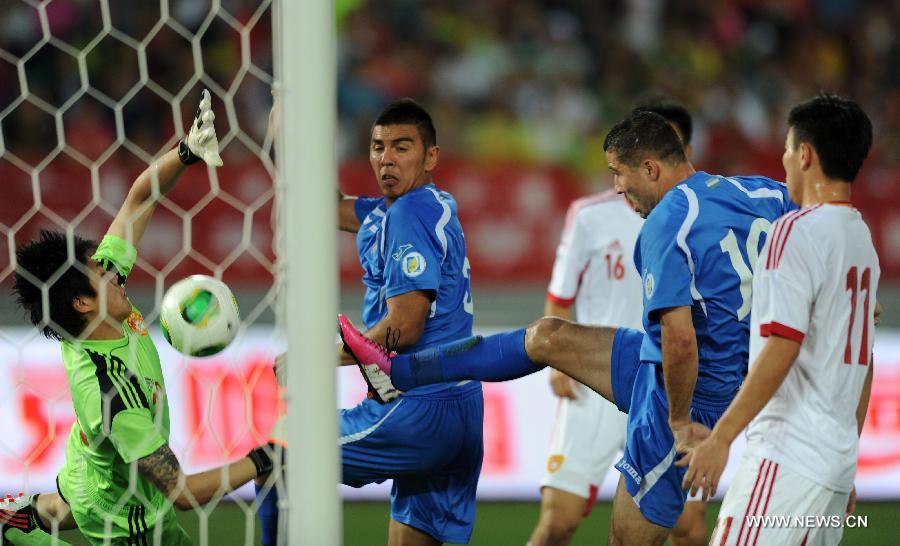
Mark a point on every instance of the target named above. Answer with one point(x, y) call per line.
point(136, 323)
point(413, 264)
point(649, 285)
point(555, 462)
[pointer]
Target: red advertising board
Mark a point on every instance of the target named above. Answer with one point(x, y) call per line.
point(220, 221)
point(223, 406)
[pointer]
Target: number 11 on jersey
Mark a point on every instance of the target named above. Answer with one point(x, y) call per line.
point(856, 285)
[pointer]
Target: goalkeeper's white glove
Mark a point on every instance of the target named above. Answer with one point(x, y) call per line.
point(201, 141)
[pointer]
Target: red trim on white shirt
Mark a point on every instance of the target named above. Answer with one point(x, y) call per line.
point(562, 302)
point(782, 232)
point(777, 231)
point(567, 302)
point(583, 202)
point(765, 330)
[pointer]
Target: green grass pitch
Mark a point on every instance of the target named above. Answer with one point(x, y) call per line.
point(498, 524)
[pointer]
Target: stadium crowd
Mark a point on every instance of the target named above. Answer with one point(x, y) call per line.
point(534, 81)
point(526, 83)
point(543, 81)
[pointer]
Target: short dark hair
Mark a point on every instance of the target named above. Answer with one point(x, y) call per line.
point(674, 113)
point(46, 258)
point(407, 111)
point(644, 134)
point(839, 131)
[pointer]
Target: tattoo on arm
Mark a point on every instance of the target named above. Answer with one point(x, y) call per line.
point(161, 468)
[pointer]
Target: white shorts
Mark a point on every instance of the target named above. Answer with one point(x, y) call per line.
point(798, 510)
point(588, 434)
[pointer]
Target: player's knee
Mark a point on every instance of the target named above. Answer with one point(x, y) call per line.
point(618, 531)
point(543, 336)
point(616, 536)
point(635, 532)
point(695, 536)
point(560, 534)
point(556, 528)
point(690, 529)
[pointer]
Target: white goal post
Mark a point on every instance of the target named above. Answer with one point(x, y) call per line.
point(91, 93)
point(305, 72)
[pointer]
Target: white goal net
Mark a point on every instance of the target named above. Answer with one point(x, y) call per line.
point(91, 93)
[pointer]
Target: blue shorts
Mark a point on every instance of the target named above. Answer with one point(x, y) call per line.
point(625, 359)
point(431, 446)
point(648, 463)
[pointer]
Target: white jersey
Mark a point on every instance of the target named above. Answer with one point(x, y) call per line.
point(815, 283)
point(594, 269)
point(594, 266)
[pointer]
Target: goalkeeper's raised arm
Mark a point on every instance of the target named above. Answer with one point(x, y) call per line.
point(157, 179)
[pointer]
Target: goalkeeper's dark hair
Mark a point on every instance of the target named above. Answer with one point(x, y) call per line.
point(409, 112)
point(838, 129)
point(46, 258)
point(642, 135)
point(674, 113)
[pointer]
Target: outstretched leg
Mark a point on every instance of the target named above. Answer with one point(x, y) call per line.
point(581, 352)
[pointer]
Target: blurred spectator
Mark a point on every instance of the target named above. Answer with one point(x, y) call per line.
point(534, 81)
point(522, 82)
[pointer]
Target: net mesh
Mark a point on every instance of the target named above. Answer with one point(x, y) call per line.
point(91, 93)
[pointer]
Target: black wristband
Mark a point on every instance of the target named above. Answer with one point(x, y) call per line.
point(261, 459)
point(35, 517)
point(185, 154)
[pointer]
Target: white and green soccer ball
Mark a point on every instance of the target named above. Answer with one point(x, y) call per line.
point(199, 316)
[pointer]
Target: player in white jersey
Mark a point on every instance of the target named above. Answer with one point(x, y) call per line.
point(811, 343)
point(594, 270)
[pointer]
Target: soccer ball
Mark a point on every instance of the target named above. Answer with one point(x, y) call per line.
point(199, 316)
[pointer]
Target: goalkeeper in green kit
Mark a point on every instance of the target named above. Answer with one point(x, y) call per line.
point(120, 479)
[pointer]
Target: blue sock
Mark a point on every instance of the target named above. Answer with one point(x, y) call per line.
point(500, 357)
point(267, 510)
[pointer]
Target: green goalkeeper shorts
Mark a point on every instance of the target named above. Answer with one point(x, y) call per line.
point(129, 527)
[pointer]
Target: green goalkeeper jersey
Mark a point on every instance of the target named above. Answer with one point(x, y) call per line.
point(121, 414)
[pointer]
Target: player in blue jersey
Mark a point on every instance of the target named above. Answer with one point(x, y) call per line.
point(416, 273)
point(693, 252)
point(580, 457)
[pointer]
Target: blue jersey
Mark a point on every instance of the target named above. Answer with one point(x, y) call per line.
point(416, 244)
point(698, 248)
